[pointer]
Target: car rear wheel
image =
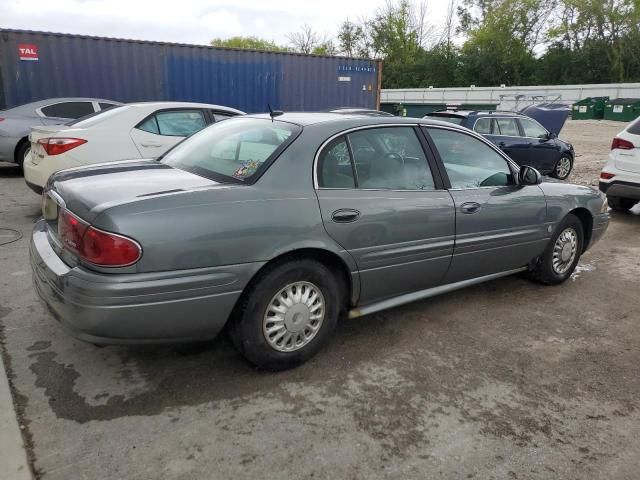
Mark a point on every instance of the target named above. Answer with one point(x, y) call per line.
point(285, 317)
point(22, 152)
point(562, 254)
point(619, 204)
point(563, 167)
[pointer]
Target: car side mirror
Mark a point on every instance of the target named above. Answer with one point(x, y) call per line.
point(551, 135)
point(529, 176)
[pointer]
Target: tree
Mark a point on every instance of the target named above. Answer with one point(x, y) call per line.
point(251, 43)
point(352, 39)
point(305, 40)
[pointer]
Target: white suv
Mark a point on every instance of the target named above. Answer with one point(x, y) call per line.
point(620, 177)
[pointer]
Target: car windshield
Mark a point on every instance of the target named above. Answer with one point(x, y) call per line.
point(236, 150)
point(449, 118)
point(97, 117)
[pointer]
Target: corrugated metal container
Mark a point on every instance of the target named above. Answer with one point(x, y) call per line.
point(38, 65)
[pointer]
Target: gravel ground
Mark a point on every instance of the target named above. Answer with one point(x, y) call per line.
point(592, 142)
point(506, 380)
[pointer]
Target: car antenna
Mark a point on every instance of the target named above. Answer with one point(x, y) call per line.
point(274, 113)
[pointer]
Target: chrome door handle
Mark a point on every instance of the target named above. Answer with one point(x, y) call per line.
point(151, 144)
point(470, 207)
point(345, 215)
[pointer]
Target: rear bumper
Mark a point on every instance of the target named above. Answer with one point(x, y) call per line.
point(618, 188)
point(135, 308)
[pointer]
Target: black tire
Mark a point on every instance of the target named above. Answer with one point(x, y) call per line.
point(543, 270)
point(619, 204)
point(246, 328)
point(563, 175)
point(21, 152)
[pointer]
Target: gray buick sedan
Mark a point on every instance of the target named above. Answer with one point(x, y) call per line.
point(277, 226)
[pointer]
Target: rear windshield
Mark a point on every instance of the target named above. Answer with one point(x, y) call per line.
point(97, 117)
point(634, 128)
point(237, 150)
point(448, 118)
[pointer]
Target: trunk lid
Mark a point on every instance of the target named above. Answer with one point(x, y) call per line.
point(87, 191)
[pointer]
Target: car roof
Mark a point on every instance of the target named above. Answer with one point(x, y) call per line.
point(467, 113)
point(157, 105)
point(352, 119)
point(30, 107)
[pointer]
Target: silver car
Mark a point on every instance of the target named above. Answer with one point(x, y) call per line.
point(16, 123)
point(277, 226)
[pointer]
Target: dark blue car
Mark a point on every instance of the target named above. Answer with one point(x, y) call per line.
point(521, 137)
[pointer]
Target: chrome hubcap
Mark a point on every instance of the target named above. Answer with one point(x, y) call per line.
point(565, 251)
point(294, 317)
point(563, 168)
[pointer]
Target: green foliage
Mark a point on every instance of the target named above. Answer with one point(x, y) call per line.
point(251, 43)
point(485, 42)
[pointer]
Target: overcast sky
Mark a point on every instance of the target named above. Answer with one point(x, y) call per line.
point(189, 21)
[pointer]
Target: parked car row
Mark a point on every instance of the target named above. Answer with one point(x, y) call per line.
point(124, 132)
point(16, 123)
point(521, 137)
point(276, 225)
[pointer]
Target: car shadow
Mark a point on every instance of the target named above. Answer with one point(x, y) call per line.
point(10, 170)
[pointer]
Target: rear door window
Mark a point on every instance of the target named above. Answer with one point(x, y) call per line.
point(180, 123)
point(68, 109)
point(483, 126)
point(389, 158)
point(532, 128)
point(508, 127)
point(174, 123)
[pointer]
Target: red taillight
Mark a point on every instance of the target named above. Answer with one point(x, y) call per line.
point(56, 146)
point(1, 119)
point(95, 246)
point(606, 175)
point(622, 144)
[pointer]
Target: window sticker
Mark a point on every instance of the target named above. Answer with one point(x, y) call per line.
point(246, 169)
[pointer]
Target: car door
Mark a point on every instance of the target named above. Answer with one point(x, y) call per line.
point(500, 225)
point(383, 203)
point(544, 151)
point(508, 138)
point(161, 130)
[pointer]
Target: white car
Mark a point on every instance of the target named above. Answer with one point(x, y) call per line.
point(620, 177)
point(134, 130)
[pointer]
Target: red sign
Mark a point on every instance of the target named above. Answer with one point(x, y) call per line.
point(28, 51)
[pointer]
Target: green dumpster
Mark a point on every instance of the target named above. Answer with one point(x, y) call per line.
point(622, 109)
point(590, 108)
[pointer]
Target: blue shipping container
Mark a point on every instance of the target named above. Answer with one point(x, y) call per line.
point(39, 65)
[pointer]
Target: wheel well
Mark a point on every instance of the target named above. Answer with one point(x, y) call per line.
point(18, 146)
point(325, 257)
point(586, 219)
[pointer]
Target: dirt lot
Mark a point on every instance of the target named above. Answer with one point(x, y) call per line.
point(592, 142)
point(508, 380)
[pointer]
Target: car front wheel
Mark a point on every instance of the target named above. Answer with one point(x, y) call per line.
point(563, 167)
point(619, 204)
point(285, 317)
point(562, 254)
